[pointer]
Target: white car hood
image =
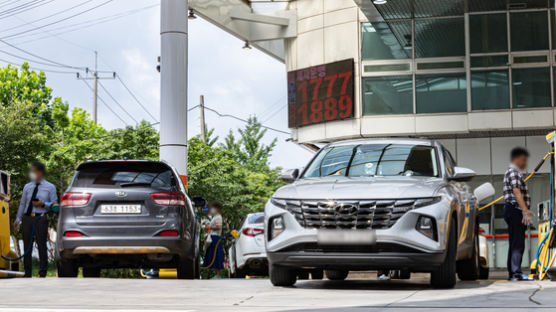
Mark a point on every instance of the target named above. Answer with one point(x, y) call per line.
point(360, 188)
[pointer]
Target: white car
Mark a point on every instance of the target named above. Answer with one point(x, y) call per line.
point(483, 255)
point(247, 253)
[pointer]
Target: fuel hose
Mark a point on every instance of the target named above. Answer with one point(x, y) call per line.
point(29, 246)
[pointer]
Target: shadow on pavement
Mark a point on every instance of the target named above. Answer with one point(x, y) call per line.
point(523, 296)
point(370, 284)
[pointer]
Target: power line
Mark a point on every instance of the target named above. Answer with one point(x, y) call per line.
point(23, 7)
point(58, 21)
point(121, 132)
point(271, 107)
point(39, 69)
point(112, 97)
point(42, 58)
point(107, 106)
point(135, 97)
point(27, 59)
point(275, 113)
point(190, 109)
point(12, 1)
point(91, 22)
point(243, 120)
point(47, 17)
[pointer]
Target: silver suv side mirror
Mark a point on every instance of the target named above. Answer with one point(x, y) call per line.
point(462, 174)
point(484, 191)
point(290, 175)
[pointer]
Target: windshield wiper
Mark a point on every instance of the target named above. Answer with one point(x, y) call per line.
point(135, 184)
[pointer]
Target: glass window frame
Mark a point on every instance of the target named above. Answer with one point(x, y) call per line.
point(468, 69)
point(387, 76)
point(509, 87)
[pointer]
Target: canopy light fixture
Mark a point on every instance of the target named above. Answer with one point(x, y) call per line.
point(191, 15)
point(380, 1)
point(247, 46)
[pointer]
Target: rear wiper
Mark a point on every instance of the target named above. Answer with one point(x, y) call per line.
point(135, 184)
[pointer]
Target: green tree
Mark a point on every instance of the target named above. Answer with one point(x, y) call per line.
point(23, 85)
point(139, 142)
point(22, 142)
point(249, 149)
point(73, 143)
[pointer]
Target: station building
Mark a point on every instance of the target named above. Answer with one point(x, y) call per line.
point(477, 75)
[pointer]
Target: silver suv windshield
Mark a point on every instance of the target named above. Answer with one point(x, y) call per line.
point(366, 160)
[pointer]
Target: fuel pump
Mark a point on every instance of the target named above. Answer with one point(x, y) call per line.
point(7, 268)
point(546, 251)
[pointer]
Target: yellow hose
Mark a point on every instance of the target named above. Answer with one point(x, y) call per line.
point(542, 271)
point(526, 179)
point(213, 255)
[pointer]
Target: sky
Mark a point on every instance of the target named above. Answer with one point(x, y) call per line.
point(126, 35)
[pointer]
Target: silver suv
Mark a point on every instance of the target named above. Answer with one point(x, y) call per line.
point(400, 205)
point(127, 214)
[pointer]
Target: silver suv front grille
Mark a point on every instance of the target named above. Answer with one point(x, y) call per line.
point(362, 214)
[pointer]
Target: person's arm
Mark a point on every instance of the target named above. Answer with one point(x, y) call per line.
point(52, 198)
point(520, 200)
point(21, 209)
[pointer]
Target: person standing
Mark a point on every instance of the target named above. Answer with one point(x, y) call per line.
point(516, 211)
point(38, 197)
point(214, 257)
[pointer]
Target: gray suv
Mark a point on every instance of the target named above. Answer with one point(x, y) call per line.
point(125, 213)
point(398, 205)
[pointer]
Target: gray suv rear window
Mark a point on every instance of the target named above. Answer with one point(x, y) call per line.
point(123, 174)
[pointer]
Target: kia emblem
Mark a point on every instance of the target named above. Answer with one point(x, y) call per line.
point(121, 194)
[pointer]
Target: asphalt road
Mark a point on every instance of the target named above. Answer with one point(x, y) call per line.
point(91, 295)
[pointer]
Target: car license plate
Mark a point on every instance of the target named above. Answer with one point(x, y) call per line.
point(346, 237)
point(120, 209)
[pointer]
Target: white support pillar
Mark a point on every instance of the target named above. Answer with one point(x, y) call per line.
point(173, 88)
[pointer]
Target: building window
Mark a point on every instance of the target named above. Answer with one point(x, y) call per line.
point(387, 95)
point(386, 41)
point(488, 33)
point(529, 31)
point(439, 37)
point(490, 90)
point(441, 93)
point(531, 87)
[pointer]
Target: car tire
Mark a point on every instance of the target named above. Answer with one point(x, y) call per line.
point(483, 273)
point(337, 275)
point(239, 273)
point(282, 276)
point(317, 274)
point(468, 270)
point(303, 275)
point(66, 268)
point(198, 267)
point(186, 269)
point(14, 266)
point(445, 276)
point(91, 272)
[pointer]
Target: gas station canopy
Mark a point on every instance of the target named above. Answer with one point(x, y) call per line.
point(265, 31)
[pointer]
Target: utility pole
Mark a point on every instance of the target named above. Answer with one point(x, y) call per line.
point(203, 125)
point(95, 79)
point(95, 89)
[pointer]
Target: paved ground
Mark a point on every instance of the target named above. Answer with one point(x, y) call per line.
point(354, 295)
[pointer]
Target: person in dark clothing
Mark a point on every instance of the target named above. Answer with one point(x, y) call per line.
point(38, 197)
point(516, 211)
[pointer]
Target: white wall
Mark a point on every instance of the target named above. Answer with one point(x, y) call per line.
point(329, 31)
point(491, 156)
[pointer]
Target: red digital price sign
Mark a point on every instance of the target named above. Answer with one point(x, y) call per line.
point(320, 93)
